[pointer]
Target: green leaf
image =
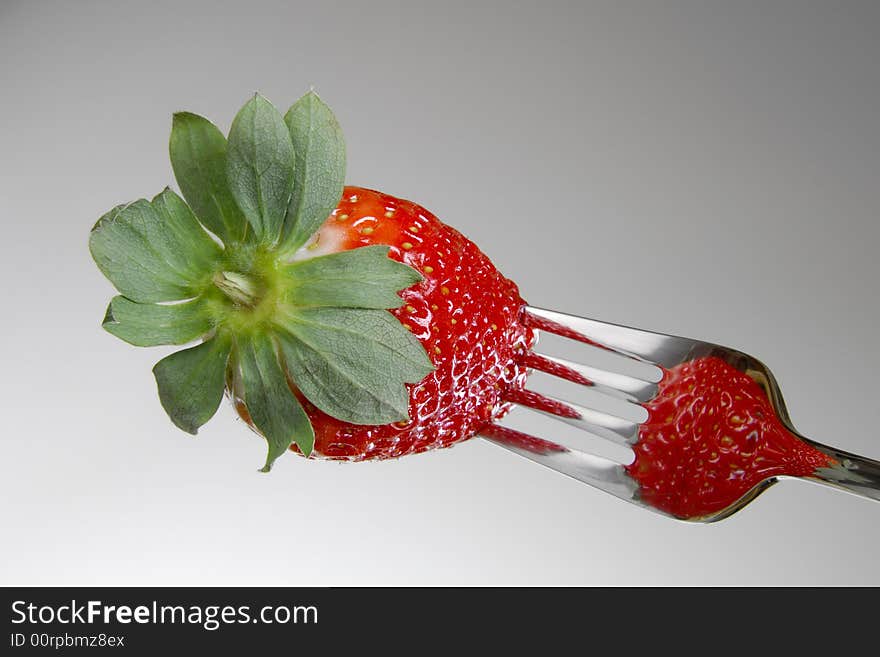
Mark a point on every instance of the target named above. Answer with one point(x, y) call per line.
point(259, 167)
point(320, 168)
point(274, 409)
point(194, 250)
point(152, 255)
point(353, 363)
point(361, 278)
point(149, 324)
point(191, 382)
point(198, 157)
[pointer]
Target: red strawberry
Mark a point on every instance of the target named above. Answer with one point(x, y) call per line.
point(712, 436)
point(343, 322)
point(364, 328)
point(465, 313)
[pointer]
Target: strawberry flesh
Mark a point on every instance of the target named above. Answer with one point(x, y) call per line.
point(711, 436)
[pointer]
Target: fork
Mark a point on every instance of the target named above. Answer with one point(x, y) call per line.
point(656, 355)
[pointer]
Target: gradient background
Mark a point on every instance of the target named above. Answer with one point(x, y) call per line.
point(708, 169)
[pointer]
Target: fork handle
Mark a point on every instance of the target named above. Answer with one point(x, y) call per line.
point(850, 472)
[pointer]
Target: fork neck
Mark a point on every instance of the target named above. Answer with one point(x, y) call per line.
point(850, 472)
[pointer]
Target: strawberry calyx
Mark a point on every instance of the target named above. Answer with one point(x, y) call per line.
point(243, 290)
point(228, 265)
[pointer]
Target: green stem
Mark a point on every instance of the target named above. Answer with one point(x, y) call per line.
point(237, 287)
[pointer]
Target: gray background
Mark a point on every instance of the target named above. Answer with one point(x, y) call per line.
point(699, 168)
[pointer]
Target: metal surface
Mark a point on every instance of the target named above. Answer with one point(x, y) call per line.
point(852, 473)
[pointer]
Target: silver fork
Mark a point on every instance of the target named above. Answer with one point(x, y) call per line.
point(656, 353)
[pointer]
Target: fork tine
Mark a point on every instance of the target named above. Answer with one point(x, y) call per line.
point(597, 471)
point(604, 425)
point(645, 346)
point(613, 384)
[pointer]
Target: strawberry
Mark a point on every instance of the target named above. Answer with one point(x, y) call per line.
point(710, 437)
point(464, 312)
point(344, 323)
